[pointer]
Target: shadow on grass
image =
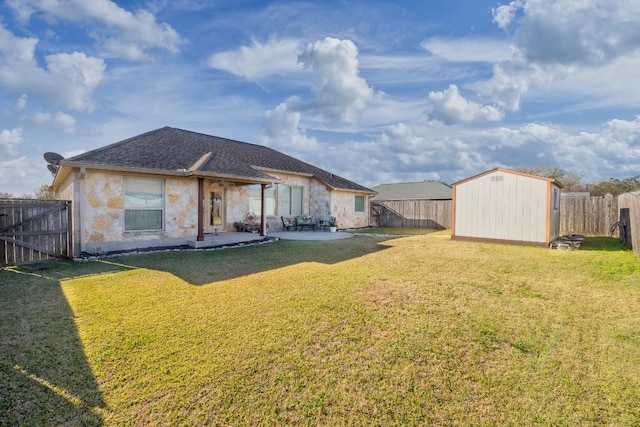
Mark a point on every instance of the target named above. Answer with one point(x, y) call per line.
point(45, 378)
point(603, 244)
point(203, 267)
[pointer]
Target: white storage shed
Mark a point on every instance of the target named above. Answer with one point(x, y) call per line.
point(505, 206)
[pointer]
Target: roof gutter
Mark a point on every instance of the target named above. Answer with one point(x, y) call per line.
point(187, 173)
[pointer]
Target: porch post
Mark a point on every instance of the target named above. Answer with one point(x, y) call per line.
point(200, 237)
point(263, 209)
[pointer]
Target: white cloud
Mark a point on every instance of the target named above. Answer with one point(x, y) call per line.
point(68, 80)
point(281, 129)
point(341, 94)
point(612, 152)
point(561, 40)
point(21, 169)
point(469, 49)
point(120, 32)
point(59, 121)
point(10, 139)
point(402, 152)
point(259, 59)
point(21, 102)
point(81, 73)
point(449, 107)
point(503, 15)
point(570, 32)
point(511, 80)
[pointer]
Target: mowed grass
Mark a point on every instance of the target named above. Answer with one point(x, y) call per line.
point(369, 330)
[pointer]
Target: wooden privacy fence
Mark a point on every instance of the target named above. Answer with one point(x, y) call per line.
point(34, 230)
point(435, 214)
point(592, 216)
point(629, 205)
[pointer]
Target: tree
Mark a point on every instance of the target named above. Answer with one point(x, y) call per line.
point(6, 195)
point(45, 193)
point(614, 186)
point(571, 180)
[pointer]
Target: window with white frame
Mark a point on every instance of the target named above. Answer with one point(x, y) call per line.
point(143, 204)
point(255, 199)
point(359, 203)
point(290, 200)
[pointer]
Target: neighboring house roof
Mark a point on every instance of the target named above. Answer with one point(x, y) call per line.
point(424, 190)
point(181, 152)
point(542, 178)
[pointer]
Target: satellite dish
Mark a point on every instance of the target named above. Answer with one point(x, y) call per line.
point(53, 158)
point(53, 169)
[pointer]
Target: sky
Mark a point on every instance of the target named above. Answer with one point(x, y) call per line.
point(375, 91)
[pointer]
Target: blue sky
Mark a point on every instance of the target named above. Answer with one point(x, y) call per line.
point(375, 91)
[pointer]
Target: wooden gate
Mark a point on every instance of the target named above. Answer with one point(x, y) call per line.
point(34, 230)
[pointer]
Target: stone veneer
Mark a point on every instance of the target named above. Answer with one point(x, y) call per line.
point(100, 195)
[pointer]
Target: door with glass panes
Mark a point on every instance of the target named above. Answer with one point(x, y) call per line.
point(213, 211)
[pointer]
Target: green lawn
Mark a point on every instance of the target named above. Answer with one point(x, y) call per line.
point(369, 330)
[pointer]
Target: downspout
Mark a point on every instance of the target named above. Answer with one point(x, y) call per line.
point(81, 200)
point(263, 208)
point(453, 211)
point(200, 237)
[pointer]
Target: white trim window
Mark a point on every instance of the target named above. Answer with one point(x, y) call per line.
point(143, 204)
point(255, 199)
point(359, 204)
point(290, 200)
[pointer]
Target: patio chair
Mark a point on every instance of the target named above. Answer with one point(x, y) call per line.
point(288, 223)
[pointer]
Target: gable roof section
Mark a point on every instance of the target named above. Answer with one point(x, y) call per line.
point(169, 151)
point(542, 178)
point(424, 190)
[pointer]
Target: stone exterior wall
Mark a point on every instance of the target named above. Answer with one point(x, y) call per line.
point(65, 192)
point(343, 208)
point(320, 204)
point(99, 198)
point(237, 204)
point(102, 210)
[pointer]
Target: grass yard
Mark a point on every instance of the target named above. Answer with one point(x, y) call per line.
point(369, 330)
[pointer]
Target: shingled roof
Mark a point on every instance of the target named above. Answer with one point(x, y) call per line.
point(423, 190)
point(169, 150)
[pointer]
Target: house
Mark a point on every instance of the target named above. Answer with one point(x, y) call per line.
point(425, 204)
point(501, 205)
point(423, 190)
point(169, 187)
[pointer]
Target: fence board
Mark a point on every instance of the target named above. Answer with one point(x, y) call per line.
point(34, 230)
point(434, 214)
point(591, 216)
point(629, 205)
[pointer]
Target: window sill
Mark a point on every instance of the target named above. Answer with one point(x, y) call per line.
point(143, 232)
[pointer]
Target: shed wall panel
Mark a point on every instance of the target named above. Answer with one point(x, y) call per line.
point(502, 206)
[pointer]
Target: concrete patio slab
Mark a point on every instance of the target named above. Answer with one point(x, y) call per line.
point(309, 235)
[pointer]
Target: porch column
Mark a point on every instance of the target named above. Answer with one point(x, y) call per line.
point(263, 209)
point(200, 237)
